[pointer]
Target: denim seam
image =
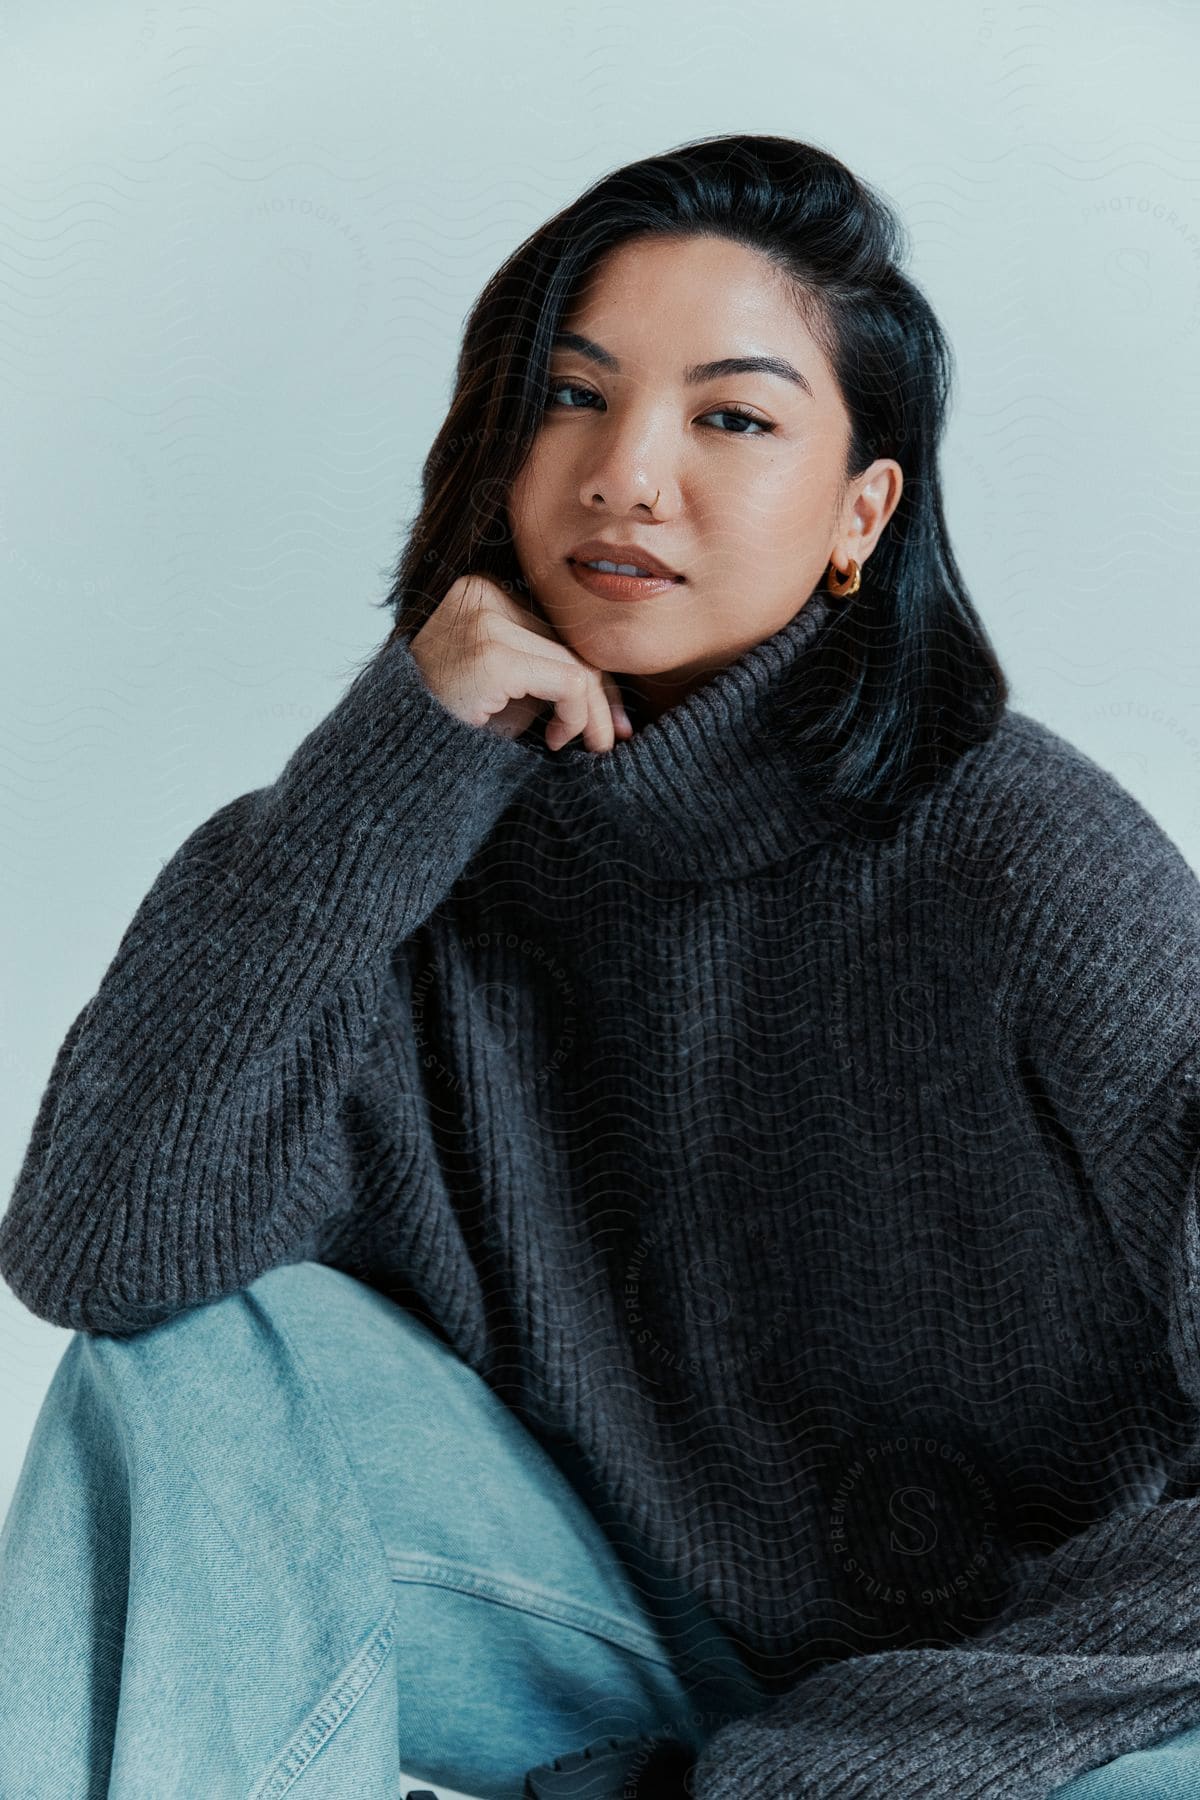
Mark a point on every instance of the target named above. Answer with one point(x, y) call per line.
point(639, 1641)
point(524, 1596)
point(331, 1710)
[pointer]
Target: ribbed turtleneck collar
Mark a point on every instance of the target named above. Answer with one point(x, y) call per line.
point(712, 788)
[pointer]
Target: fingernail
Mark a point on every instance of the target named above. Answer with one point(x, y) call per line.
point(622, 717)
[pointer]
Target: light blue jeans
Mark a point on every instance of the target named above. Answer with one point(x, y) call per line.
point(290, 1543)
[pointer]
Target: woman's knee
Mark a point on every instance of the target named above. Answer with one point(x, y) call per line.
point(213, 1325)
point(206, 1371)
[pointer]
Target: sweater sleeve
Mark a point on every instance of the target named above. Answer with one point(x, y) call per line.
point(182, 1145)
point(1096, 1653)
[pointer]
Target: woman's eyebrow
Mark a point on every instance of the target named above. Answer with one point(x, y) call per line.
point(695, 373)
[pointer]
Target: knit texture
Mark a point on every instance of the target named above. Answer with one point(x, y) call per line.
point(825, 1201)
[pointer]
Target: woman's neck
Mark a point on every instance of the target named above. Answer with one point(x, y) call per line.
point(648, 697)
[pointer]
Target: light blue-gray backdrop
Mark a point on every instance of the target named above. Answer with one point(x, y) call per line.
point(237, 243)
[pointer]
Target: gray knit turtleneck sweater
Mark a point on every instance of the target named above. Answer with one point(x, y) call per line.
point(826, 1201)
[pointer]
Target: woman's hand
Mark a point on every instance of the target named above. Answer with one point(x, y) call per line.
point(494, 663)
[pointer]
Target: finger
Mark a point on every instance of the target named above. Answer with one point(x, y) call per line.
point(574, 706)
point(590, 711)
point(599, 723)
point(599, 733)
point(622, 724)
point(550, 671)
point(564, 684)
point(599, 726)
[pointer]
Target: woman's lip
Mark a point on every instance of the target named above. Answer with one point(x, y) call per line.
point(620, 587)
point(610, 550)
point(656, 574)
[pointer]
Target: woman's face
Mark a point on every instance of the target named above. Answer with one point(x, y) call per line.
point(749, 510)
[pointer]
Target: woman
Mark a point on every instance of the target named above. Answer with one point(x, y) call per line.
point(681, 1240)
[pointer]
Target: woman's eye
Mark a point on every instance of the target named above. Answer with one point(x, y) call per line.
point(763, 427)
point(565, 387)
point(734, 412)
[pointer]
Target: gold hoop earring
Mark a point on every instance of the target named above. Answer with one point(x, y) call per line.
point(845, 585)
